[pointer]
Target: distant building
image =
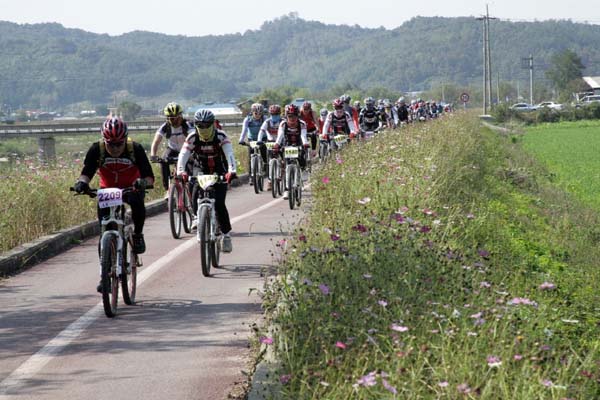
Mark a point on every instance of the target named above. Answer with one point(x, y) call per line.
point(594, 83)
point(219, 109)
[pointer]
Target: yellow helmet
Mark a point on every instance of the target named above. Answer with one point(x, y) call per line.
point(172, 110)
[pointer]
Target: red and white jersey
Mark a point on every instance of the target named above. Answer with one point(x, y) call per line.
point(292, 136)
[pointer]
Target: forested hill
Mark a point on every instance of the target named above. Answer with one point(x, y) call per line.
point(52, 65)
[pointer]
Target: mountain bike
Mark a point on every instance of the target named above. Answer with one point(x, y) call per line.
point(324, 149)
point(293, 175)
point(181, 210)
point(257, 167)
point(340, 141)
point(118, 261)
point(208, 234)
point(276, 172)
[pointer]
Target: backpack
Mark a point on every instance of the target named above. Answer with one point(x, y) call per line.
point(130, 152)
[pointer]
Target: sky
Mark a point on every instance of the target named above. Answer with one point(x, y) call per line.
point(206, 17)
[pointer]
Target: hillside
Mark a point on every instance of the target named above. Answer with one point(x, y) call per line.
point(49, 65)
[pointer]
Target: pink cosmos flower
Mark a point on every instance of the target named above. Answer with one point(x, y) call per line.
point(485, 284)
point(517, 357)
point(547, 286)
point(547, 383)
point(443, 384)
point(324, 288)
point(325, 180)
point(368, 380)
point(340, 345)
point(522, 300)
point(382, 303)
point(302, 238)
point(335, 237)
point(483, 253)
point(339, 160)
point(463, 388)
point(493, 361)
point(284, 379)
point(266, 340)
point(360, 228)
point(389, 387)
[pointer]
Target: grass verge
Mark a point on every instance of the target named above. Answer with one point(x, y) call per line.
point(438, 262)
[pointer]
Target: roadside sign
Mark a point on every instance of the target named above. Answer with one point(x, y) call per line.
point(464, 97)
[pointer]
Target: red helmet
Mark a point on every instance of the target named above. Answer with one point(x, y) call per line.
point(306, 105)
point(114, 130)
point(338, 103)
point(291, 109)
point(274, 109)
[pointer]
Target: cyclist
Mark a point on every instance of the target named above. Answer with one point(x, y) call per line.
point(250, 129)
point(349, 109)
point(120, 163)
point(213, 153)
point(292, 132)
point(175, 130)
point(268, 130)
point(402, 111)
point(369, 118)
point(339, 121)
point(357, 107)
point(311, 120)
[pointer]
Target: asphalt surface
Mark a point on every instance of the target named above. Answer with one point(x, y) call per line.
point(186, 338)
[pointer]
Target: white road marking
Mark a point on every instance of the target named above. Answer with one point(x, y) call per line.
point(37, 361)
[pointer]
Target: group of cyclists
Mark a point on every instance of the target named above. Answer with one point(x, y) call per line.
point(201, 146)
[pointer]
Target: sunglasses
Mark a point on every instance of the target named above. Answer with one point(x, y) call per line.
point(115, 144)
point(173, 118)
point(203, 125)
point(292, 116)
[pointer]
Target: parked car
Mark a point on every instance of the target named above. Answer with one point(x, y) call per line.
point(550, 104)
point(590, 99)
point(522, 107)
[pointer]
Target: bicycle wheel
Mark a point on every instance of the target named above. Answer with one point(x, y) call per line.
point(322, 152)
point(215, 249)
point(254, 173)
point(280, 178)
point(174, 213)
point(129, 273)
point(110, 280)
point(291, 177)
point(298, 186)
point(187, 215)
point(204, 234)
point(273, 173)
point(261, 174)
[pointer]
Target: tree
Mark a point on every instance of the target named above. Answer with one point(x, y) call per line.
point(129, 110)
point(566, 67)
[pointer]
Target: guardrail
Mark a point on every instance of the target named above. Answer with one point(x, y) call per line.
point(62, 128)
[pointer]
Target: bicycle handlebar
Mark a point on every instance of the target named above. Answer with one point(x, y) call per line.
point(93, 192)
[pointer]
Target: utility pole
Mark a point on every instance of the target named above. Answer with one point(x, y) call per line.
point(487, 61)
point(498, 88)
point(527, 63)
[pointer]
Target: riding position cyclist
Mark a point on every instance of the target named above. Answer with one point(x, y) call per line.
point(292, 132)
point(369, 118)
point(311, 120)
point(251, 128)
point(349, 109)
point(120, 163)
point(213, 153)
point(268, 130)
point(339, 121)
point(175, 130)
point(402, 111)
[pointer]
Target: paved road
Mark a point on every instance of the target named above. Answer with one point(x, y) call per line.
point(187, 337)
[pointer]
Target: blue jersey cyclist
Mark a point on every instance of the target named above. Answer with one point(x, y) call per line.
point(251, 128)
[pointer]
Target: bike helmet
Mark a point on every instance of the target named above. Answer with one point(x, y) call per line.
point(338, 103)
point(357, 104)
point(257, 108)
point(292, 109)
point(114, 130)
point(172, 110)
point(369, 101)
point(324, 112)
point(307, 106)
point(346, 98)
point(204, 117)
point(401, 100)
point(274, 109)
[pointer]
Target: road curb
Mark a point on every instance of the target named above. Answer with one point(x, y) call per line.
point(45, 247)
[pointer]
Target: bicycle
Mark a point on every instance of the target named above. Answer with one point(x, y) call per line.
point(257, 167)
point(324, 149)
point(181, 210)
point(275, 172)
point(118, 261)
point(340, 141)
point(293, 175)
point(208, 233)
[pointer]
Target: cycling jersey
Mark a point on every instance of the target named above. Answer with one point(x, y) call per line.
point(117, 172)
point(292, 136)
point(310, 118)
point(339, 125)
point(215, 156)
point(369, 120)
point(175, 136)
point(269, 130)
point(251, 127)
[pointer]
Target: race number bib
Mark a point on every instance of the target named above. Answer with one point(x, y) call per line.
point(110, 197)
point(206, 181)
point(290, 152)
